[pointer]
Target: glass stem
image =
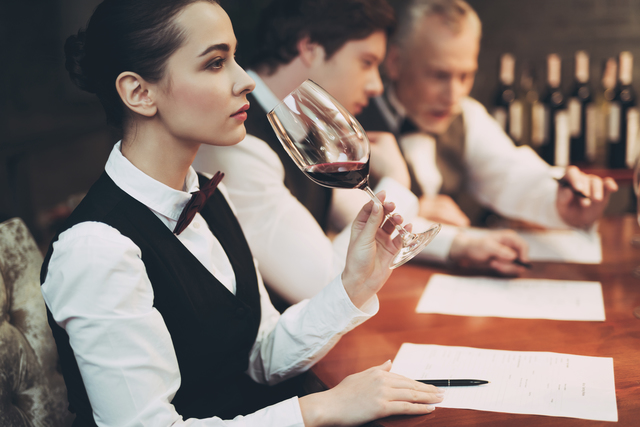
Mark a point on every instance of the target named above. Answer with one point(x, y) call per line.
point(404, 233)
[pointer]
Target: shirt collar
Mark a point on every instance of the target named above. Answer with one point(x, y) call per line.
point(265, 97)
point(157, 196)
point(391, 109)
point(394, 103)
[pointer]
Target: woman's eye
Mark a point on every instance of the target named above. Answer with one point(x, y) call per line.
point(216, 63)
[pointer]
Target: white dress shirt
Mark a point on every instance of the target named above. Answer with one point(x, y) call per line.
point(296, 257)
point(97, 290)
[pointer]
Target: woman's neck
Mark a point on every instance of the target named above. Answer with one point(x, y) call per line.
point(159, 155)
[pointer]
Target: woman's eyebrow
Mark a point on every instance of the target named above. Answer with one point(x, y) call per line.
point(220, 46)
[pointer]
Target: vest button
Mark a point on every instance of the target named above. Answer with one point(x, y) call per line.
point(240, 312)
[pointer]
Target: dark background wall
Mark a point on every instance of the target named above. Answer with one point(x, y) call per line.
point(54, 140)
point(531, 29)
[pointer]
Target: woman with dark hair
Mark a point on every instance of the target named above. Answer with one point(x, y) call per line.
point(159, 313)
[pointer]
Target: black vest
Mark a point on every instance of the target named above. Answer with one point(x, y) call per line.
point(212, 329)
point(314, 197)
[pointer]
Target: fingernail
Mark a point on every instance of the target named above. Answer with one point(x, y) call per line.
point(441, 390)
point(440, 395)
point(431, 407)
point(376, 208)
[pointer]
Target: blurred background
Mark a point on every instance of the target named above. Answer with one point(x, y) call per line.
point(54, 140)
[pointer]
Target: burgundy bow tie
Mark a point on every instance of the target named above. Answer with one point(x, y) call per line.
point(198, 199)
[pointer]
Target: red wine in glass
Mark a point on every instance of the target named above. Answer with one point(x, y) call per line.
point(340, 174)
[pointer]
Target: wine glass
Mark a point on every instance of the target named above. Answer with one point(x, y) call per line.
point(328, 144)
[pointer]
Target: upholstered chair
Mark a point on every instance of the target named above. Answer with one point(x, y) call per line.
point(32, 391)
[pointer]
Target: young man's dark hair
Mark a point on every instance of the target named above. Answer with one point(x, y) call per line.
point(329, 23)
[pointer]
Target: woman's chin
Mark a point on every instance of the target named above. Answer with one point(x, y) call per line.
point(228, 140)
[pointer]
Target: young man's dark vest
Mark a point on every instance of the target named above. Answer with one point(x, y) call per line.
point(315, 198)
point(212, 329)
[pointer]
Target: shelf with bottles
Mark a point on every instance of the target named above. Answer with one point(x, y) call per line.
point(589, 124)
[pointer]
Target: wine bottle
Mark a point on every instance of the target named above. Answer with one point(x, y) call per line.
point(582, 119)
point(606, 127)
point(555, 140)
point(623, 117)
point(505, 94)
point(516, 118)
point(527, 97)
point(538, 129)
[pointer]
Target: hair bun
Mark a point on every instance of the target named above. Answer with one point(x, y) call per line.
point(76, 62)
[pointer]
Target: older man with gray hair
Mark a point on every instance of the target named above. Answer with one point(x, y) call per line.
point(430, 67)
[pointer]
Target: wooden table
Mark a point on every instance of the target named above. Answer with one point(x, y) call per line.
point(379, 339)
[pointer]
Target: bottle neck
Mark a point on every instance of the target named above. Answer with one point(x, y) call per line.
point(507, 67)
point(553, 71)
point(626, 68)
point(582, 67)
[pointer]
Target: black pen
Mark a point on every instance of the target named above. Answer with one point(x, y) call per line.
point(521, 263)
point(566, 184)
point(453, 383)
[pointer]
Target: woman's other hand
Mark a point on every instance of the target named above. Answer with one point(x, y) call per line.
point(367, 396)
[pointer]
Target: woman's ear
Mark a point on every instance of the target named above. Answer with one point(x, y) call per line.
point(136, 94)
point(310, 52)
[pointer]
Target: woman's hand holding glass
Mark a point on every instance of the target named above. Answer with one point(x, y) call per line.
point(371, 252)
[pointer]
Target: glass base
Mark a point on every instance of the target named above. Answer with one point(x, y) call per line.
point(413, 244)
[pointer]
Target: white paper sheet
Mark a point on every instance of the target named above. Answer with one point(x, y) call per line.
point(564, 246)
point(580, 247)
point(521, 382)
point(516, 298)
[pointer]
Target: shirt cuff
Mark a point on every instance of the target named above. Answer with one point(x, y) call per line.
point(283, 414)
point(406, 202)
point(332, 306)
point(438, 250)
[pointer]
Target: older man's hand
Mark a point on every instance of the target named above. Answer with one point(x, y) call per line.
point(578, 211)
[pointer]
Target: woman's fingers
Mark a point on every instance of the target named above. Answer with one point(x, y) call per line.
point(406, 408)
point(389, 225)
point(372, 394)
point(403, 383)
point(401, 395)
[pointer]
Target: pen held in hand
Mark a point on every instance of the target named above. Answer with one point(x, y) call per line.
point(454, 383)
point(566, 184)
point(521, 263)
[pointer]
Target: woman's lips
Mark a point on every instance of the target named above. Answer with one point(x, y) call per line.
point(440, 114)
point(241, 114)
